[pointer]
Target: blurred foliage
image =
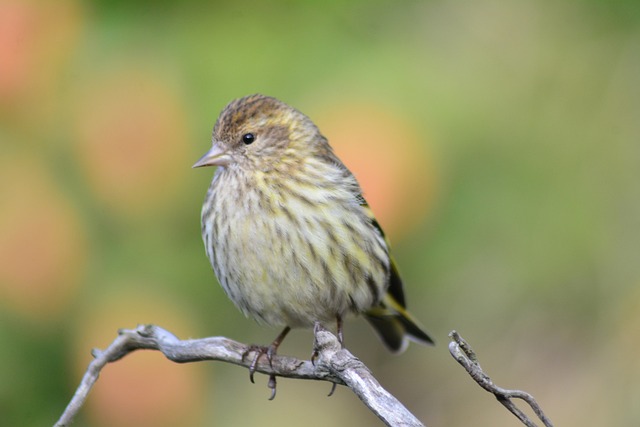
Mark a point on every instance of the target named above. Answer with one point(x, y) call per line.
point(498, 143)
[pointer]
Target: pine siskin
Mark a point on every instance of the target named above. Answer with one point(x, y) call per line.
point(288, 233)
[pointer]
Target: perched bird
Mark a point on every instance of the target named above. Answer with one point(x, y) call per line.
point(290, 237)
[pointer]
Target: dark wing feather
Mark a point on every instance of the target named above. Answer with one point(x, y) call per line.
point(395, 283)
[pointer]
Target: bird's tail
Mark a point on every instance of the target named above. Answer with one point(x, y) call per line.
point(395, 325)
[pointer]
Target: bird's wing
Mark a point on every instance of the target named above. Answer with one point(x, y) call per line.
point(395, 283)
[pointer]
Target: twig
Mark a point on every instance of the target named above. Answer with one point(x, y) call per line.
point(464, 354)
point(333, 364)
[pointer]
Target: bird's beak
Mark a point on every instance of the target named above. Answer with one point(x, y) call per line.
point(214, 157)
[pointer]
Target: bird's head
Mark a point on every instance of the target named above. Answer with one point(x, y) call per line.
point(258, 132)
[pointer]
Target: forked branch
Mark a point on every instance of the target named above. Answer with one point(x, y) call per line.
point(333, 364)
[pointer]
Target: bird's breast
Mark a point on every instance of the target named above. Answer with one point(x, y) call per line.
point(290, 257)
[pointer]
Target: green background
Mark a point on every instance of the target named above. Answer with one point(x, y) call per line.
point(521, 230)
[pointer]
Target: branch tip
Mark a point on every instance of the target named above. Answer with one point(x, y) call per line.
point(465, 356)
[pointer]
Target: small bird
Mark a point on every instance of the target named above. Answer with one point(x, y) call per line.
point(288, 233)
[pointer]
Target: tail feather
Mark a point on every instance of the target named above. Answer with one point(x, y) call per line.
point(396, 326)
point(389, 330)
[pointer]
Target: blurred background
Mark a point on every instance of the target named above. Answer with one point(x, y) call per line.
point(498, 143)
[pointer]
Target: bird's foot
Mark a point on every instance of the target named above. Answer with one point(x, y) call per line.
point(269, 351)
point(261, 350)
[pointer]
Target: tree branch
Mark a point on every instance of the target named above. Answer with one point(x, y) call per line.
point(464, 354)
point(333, 364)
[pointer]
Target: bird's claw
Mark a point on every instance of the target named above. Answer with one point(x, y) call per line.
point(272, 385)
point(260, 351)
point(269, 351)
point(333, 389)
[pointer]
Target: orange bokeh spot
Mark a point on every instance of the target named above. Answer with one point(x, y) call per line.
point(144, 388)
point(132, 141)
point(36, 37)
point(389, 159)
point(17, 26)
point(42, 240)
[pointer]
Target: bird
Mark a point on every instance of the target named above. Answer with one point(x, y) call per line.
point(289, 234)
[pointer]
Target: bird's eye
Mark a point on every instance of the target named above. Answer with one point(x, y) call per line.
point(248, 138)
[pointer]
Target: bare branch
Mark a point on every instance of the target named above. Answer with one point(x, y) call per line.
point(333, 364)
point(464, 354)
